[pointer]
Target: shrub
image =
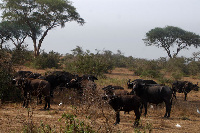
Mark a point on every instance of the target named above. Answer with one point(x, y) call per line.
point(73, 125)
point(151, 74)
point(176, 64)
point(47, 60)
point(177, 75)
point(8, 92)
point(89, 63)
point(21, 56)
point(193, 68)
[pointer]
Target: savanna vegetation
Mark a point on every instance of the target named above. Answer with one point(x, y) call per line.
point(101, 64)
point(22, 19)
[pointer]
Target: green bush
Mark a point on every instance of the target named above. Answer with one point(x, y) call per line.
point(8, 92)
point(177, 65)
point(89, 63)
point(193, 68)
point(177, 75)
point(73, 125)
point(21, 56)
point(47, 60)
point(151, 74)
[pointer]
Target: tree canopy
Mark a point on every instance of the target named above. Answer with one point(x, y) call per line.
point(40, 16)
point(171, 36)
point(4, 36)
point(15, 32)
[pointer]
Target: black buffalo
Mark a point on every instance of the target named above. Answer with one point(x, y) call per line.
point(154, 94)
point(120, 101)
point(184, 87)
point(22, 74)
point(18, 76)
point(89, 77)
point(36, 87)
point(34, 75)
point(111, 87)
point(79, 83)
point(130, 83)
point(58, 79)
point(114, 90)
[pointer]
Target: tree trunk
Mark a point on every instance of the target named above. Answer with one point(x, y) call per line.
point(36, 50)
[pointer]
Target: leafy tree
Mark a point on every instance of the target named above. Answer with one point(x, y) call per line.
point(169, 37)
point(15, 32)
point(40, 16)
point(4, 36)
point(77, 51)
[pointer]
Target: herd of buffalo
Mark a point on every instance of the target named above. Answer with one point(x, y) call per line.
point(141, 91)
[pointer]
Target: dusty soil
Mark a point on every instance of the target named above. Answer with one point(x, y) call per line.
point(97, 113)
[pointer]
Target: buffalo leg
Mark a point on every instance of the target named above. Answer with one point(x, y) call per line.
point(51, 92)
point(185, 96)
point(47, 102)
point(137, 114)
point(174, 94)
point(25, 99)
point(168, 108)
point(39, 98)
point(145, 107)
point(28, 97)
point(141, 107)
point(117, 118)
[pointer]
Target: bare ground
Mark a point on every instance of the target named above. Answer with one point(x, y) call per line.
point(97, 113)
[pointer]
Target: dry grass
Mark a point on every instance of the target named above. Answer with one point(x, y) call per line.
point(98, 114)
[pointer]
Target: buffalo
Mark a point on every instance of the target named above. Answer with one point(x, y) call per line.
point(36, 87)
point(22, 74)
point(79, 83)
point(184, 87)
point(34, 75)
point(89, 77)
point(130, 83)
point(58, 79)
point(154, 94)
point(111, 87)
point(120, 101)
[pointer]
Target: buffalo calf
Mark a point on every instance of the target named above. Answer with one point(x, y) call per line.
point(125, 103)
point(120, 100)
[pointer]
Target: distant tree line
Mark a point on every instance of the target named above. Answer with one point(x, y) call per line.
point(164, 70)
point(101, 62)
point(34, 19)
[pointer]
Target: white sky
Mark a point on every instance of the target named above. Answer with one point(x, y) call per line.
point(122, 24)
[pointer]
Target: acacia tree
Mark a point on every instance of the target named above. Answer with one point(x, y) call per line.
point(4, 36)
point(15, 32)
point(40, 16)
point(171, 37)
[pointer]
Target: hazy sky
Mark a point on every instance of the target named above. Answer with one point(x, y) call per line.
point(122, 24)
